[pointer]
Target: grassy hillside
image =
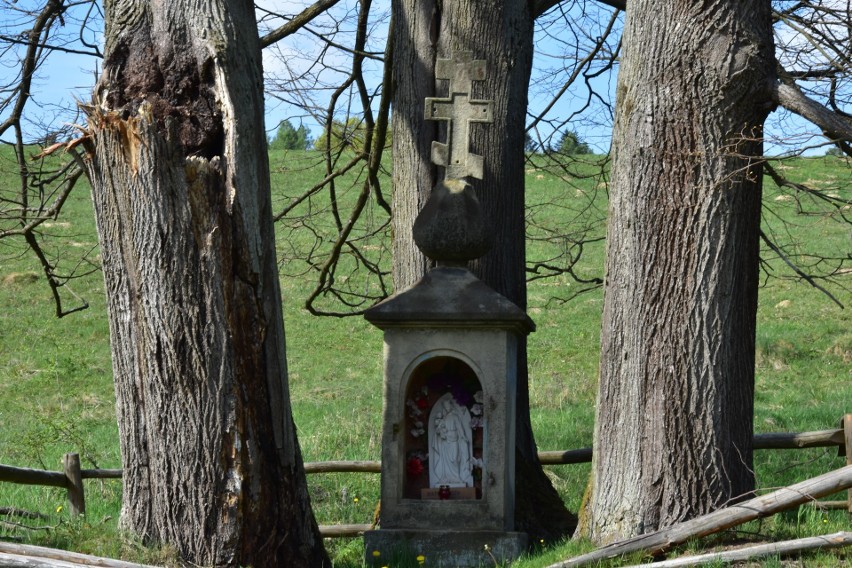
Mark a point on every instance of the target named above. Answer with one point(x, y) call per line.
point(56, 392)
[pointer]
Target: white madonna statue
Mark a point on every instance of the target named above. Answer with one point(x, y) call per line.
point(450, 444)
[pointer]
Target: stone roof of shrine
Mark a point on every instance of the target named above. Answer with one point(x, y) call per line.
point(450, 297)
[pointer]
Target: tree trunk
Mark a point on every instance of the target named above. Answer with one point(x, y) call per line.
point(673, 435)
point(180, 182)
point(501, 34)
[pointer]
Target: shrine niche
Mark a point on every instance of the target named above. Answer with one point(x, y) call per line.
point(444, 431)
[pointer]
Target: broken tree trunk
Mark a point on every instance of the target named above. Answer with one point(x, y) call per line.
point(763, 506)
point(787, 547)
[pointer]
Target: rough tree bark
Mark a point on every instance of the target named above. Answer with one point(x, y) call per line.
point(501, 34)
point(180, 182)
point(673, 435)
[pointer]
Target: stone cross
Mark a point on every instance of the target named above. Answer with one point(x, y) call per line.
point(459, 110)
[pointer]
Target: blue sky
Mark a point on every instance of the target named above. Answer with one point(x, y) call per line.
point(66, 78)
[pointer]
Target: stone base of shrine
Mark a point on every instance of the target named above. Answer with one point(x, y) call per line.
point(443, 549)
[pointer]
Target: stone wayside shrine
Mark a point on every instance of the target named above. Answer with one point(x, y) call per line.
point(451, 342)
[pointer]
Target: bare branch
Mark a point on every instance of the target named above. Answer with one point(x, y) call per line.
point(789, 96)
point(50, 47)
point(542, 6)
point(578, 69)
point(297, 22)
point(326, 280)
point(44, 185)
point(54, 283)
point(806, 277)
point(617, 4)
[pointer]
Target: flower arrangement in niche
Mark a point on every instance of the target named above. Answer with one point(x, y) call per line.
point(476, 418)
point(415, 463)
point(417, 405)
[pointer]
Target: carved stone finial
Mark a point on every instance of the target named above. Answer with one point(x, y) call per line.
point(451, 228)
point(459, 110)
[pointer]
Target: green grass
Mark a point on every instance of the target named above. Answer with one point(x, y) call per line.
point(56, 392)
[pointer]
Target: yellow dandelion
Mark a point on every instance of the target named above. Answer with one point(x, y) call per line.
point(59, 509)
point(355, 500)
point(376, 554)
point(421, 559)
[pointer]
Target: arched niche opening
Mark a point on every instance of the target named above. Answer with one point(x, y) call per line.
point(444, 431)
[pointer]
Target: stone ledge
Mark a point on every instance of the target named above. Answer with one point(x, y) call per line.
point(444, 549)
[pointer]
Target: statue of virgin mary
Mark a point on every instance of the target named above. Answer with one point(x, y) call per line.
point(450, 444)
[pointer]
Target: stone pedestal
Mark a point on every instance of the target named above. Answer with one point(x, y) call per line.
point(444, 549)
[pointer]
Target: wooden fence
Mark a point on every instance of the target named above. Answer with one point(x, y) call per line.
point(72, 475)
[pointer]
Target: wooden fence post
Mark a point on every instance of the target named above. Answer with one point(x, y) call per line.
point(76, 497)
point(846, 424)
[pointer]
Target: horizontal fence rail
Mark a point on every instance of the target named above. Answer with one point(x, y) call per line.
point(772, 441)
point(72, 476)
point(26, 476)
point(344, 467)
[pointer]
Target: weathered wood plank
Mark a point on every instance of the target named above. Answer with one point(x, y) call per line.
point(343, 531)
point(846, 424)
point(27, 476)
point(16, 561)
point(795, 440)
point(57, 558)
point(344, 467)
point(785, 548)
point(770, 441)
point(775, 440)
point(76, 492)
point(101, 473)
point(763, 506)
point(559, 457)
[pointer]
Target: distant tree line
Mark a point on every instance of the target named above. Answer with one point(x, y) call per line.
point(349, 134)
point(288, 137)
point(569, 144)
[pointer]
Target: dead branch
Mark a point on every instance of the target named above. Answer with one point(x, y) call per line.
point(15, 526)
point(759, 507)
point(785, 548)
point(297, 22)
point(805, 276)
point(29, 556)
point(23, 513)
